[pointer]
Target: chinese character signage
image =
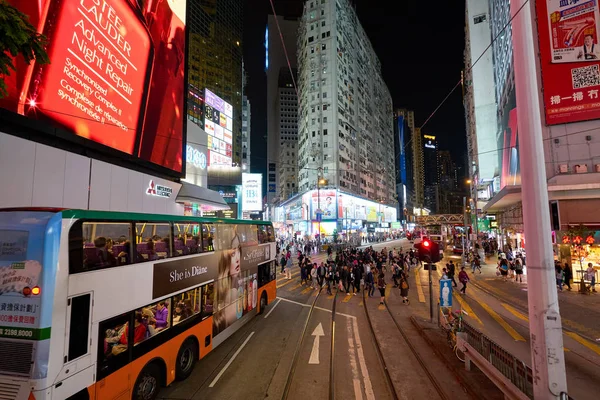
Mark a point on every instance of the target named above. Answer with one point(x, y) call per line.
point(251, 192)
point(570, 59)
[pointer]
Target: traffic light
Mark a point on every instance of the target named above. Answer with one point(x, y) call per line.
point(429, 251)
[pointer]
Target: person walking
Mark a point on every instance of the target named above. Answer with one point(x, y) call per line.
point(329, 277)
point(381, 286)
point(568, 275)
point(357, 272)
point(451, 272)
point(321, 272)
point(288, 268)
point(369, 282)
point(313, 275)
point(463, 278)
point(519, 270)
point(345, 278)
point(404, 287)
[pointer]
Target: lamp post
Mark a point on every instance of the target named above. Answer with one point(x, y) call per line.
point(320, 181)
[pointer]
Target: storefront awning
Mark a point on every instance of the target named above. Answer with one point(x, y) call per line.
point(197, 194)
point(508, 196)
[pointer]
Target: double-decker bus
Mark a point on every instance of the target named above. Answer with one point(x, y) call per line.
point(108, 305)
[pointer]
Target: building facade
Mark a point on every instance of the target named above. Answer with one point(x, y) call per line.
point(246, 125)
point(571, 149)
point(287, 112)
point(346, 115)
point(418, 169)
point(215, 58)
point(403, 133)
point(276, 65)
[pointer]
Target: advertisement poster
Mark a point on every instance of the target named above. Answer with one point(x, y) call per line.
point(509, 144)
point(327, 203)
point(219, 125)
point(116, 75)
point(233, 266)
point(569, 49)
point(372, 213)
point(574, 27)
point(21, 255)
point(251, 192)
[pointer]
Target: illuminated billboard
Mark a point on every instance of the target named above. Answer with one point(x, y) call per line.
point(251, 192)
point(218, 123)
point(116, 75)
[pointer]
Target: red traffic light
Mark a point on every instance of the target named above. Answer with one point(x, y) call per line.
point(426, 243)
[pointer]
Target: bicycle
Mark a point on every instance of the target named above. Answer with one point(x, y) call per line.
point(454, 328)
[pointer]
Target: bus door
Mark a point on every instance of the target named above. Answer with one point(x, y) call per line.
point(77, 372)
point(113, 378)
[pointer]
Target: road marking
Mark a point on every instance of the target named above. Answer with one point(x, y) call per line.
point(314, 354)
point(514, 312)
point(316, 307)
point(353, 364)
point(347, 298)
point(272, 308)
point(295, 287)
point(465, 306)
point(363, 365)
point(381, 307)
point(592, 346)
point(213, 383)
point(308, 289)
point(331, 296)
point(419, 287)
point(287, 283)
point(511, 331)
point(283, 278)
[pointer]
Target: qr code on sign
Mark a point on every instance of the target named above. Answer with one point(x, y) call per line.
point(585, 76)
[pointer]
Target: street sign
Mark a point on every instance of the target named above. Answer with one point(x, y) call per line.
point(445, 293)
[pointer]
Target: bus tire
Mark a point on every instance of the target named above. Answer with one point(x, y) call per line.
point(186, 359)
point(147, 384)
point(263, 302)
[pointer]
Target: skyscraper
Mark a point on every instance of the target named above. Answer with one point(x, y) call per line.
point(346, 120)
point(246, 124)
point(287, 115)
point(432, 172)
point(418, 168)
point(277, 64)
point(404, 124)
point(215, 59)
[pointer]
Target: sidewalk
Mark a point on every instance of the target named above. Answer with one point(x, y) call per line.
point(430, 344)
point(580, 312)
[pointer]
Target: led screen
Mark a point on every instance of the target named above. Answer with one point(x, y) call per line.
point(218, 124)
point(116, 75)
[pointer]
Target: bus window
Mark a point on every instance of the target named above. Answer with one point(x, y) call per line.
point(79, 326)
point(105, 244)
point(267, 272)
point(113, 344)
point(270, 234)
point(187, 239)
point(261, 233)
point(153, 241)
point(208, 236)
point(151, 320)
point(225, 234)
point(247, 235)
point(208, 299)
point(186, 304)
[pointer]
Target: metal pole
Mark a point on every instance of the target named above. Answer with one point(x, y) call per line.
point(319, 208)
point(465, 231)
point(548, 362)
point(430, 292)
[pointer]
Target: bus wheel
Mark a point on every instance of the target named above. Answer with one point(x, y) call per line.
point(263, 302)
point(186, 358)
point(147, 384)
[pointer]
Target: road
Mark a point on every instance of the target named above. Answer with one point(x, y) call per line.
point(255, 362)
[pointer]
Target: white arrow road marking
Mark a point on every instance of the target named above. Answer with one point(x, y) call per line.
point(314, 354)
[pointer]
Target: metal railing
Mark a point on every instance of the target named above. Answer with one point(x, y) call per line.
point(508, 365)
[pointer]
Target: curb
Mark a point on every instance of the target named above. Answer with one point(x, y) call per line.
point(462, 381)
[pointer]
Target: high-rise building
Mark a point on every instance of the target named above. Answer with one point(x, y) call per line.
point(287, 112)
point(346, 116)
point(246, 124)
point(276, 64)
point(418, 169)
point(431, 164)
point(215, 59)
point(448, 171)
point(403, 132)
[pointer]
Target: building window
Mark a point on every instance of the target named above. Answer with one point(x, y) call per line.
point(324, 94)
point(324, 131)
point(325, 144)
point(324, 118)
point(312, 49)
point(322, 23)
point(324, 46)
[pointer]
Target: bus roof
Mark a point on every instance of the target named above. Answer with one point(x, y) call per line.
point(124, 216)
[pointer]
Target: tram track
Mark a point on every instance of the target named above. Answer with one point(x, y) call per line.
point(287, 392)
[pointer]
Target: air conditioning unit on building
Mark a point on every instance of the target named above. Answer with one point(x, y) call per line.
point(563, 168)
point(580, 168)
point(597, 167)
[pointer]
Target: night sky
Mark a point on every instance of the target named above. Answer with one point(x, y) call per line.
point(420, 46)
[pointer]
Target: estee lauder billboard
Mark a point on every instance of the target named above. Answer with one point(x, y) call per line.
point(116, 75)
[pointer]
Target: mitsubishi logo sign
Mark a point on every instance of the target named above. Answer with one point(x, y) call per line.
point(159, 190)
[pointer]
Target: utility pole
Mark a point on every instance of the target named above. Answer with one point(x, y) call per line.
point(545, 327)
point(465, 232)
